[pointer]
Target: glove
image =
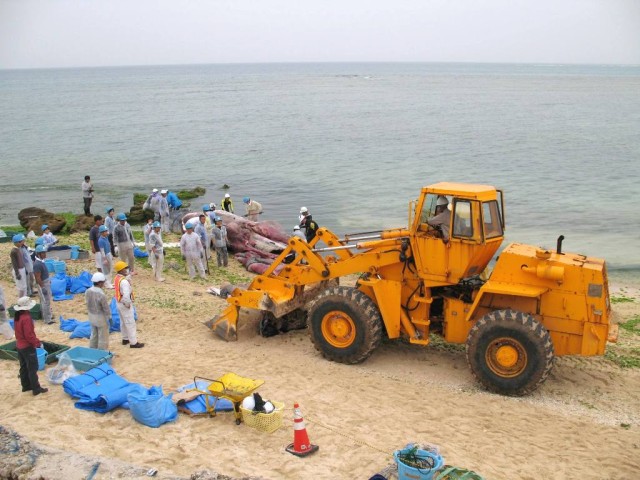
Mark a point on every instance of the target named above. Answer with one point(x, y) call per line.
point(184, 257)
point(115, 249)
point(18, 276)
point(157, 255)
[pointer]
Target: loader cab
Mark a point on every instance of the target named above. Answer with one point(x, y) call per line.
point(475, 231)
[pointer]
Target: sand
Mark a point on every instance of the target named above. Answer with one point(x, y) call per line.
point(583, 423)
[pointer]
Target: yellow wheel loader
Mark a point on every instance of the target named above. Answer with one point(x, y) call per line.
point(432, 278)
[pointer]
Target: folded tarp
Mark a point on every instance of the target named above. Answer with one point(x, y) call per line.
point(101, 389)
point(77, 328)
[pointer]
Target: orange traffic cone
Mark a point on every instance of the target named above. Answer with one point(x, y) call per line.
point(301, 446)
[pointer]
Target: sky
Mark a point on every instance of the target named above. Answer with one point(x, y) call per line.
point(85, 33)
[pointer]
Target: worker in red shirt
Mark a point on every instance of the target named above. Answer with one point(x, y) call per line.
point(26, 344)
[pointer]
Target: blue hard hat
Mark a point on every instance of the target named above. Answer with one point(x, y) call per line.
point(206, 208)
point(156, 225)
point(18, 237)
point(246, 199)
point(40, 249)
point(39, 241)
point(121, 216)
point(44, 227)
point(188, 226)
point(108, 209)
point(103, 228)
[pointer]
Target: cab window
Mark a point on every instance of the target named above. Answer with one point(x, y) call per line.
point(492, 219)
point(428, 207)
point(462, 225)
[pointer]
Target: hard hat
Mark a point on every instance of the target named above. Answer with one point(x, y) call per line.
point(303, 210)
point(226, 195)
point(120, 265)
point(103, 228)
point(206, 208)
point(40, 249)
point(39, 241)
point(189, 226)
point(155, 190)
point(246, 200)
point(163, 192)
point(18, 237)
point(212, 206)
point(442, 201)
point(98, 277)
point(44, 227)
point(156, 225)
point(297, 227)
point(121, 216)
point(108, 209)
point(218, 219)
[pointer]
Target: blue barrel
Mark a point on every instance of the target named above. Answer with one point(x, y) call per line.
point(49, 263)
point(406, 472)
point(42, 357)
point(59, 267)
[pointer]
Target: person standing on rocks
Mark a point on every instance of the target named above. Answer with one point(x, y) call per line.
point(87, 195)
point(18, 271)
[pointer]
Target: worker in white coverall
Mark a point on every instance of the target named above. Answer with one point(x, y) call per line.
point(124, 299)
point(99, 312)
point(157, 250)
point(41, 274)
point(253, 209)
point(17, 263)
point(192, 251)
point(124, 242)
point(165, 212)
point(204, 232)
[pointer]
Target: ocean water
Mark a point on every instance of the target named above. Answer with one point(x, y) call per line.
point(352, 142)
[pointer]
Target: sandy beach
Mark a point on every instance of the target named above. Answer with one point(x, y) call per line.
point(583, 423)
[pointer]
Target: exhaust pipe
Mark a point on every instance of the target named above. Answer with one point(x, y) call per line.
point(559, 245)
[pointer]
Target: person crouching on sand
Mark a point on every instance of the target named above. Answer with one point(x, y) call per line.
point(26, 344)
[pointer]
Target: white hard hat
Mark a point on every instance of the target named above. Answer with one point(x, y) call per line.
point(98, 277)
point(442, 201)
point(212, 206)
point(297, 227)
point(163, 192)
point(303, 210)
point(155, 190)
point(226, 195)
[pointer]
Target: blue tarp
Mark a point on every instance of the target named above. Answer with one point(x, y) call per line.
point(152, 408)
point(59, 287)
point(61, 283)
point(79, 284)
point(173, 201)
point(115, 315)
point(81, 329)
point(139, 253)
point(101, 389)
point(199, 404)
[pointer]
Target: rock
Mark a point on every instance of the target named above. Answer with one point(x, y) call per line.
point(138, 215)
point(193, 193)
point(32, 218)
point(83, 223)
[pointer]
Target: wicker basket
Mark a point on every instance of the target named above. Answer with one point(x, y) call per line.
point(265, 422)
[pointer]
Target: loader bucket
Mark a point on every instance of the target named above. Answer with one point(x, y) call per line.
point(224, 325)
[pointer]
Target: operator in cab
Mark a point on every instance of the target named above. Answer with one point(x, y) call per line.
point(442, 217)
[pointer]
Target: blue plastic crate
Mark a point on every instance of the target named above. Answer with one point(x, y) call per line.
point(84, 358)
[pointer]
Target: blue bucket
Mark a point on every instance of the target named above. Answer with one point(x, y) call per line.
point(406, 472)
point(42, 357)
point(59, 267)
point(49, 263)
point(75, 252)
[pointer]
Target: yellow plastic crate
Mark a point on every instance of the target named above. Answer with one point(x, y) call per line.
point(265, 422)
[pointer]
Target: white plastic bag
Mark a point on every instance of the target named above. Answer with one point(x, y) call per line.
point(6, 330)
point(63, 370)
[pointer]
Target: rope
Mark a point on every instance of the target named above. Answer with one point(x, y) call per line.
point(353, 439)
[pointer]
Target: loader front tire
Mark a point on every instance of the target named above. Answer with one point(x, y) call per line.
point(345, 325)
point(510, 352)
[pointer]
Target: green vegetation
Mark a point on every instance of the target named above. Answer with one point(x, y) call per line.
point(632, 325)
point(70, 218)
point(625, 358)
point(193, 193)
point(438, 342)
point(622, 299)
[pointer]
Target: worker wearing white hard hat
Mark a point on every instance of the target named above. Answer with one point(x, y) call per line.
point(303, 213)
point(99, 312)
point(157, 251)
point(442, 219)
point(227, 203)
point(164, 211)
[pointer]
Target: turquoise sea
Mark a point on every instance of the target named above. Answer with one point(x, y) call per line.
point(352, 142)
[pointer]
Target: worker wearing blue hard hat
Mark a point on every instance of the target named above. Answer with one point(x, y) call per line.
point(18, 270)
point(106, 258)
point(156, 250)
point(192, 251)
point(48, 237)
point(124, 242)
point(253, 209)
point(41, 274)
point(111, 222)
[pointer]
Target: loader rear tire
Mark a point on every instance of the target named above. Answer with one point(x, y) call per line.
point(345, 325)
point(510, 352)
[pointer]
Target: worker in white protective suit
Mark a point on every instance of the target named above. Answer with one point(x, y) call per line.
point(157, 250)
point(124, 299)
point(164, 211)
point(124, 242)
point(99, 311)
point(192, 251)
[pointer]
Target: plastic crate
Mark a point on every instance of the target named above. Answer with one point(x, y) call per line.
point(84, 358)
point(9, 351)
point(36, 312)
point(265, 422)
